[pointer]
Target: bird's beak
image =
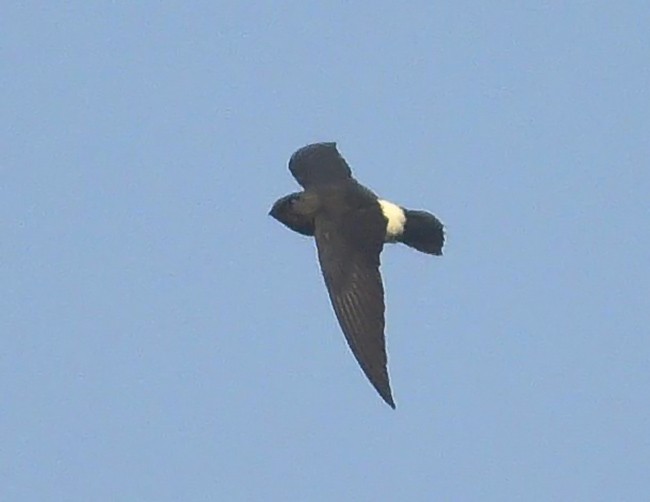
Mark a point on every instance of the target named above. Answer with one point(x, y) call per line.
point(274, 209)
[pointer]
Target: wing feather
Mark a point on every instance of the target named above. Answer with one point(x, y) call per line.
point(319, 164)
point(348, 252)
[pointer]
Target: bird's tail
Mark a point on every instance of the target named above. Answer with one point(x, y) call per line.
point(424, 232)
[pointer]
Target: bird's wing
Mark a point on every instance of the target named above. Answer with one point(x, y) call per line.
point(348, 251)
point(318, 164)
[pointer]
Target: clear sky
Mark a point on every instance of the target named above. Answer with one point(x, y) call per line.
point(162, 338)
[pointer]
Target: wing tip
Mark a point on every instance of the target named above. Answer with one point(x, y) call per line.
point(318, 163)
point(387, 396)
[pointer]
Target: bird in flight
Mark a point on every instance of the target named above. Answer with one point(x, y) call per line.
point(350, 225)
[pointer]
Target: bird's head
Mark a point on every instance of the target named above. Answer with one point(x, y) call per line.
point(290, 210)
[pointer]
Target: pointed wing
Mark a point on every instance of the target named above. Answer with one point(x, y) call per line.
point(348, 251)
point(318, 164)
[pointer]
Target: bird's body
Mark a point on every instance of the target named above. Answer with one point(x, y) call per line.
point(350, 225)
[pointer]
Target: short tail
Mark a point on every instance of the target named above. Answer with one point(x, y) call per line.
point(424, 232)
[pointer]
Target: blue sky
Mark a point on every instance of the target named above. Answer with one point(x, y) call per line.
point(164, 339)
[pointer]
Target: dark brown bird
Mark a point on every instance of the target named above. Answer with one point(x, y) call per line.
point(350, 225)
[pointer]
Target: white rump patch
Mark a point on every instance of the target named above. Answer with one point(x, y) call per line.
point(396, 219)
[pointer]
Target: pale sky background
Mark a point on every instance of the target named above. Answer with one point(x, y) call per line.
point(163, 339)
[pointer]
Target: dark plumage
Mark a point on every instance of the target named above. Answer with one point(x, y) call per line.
point(350, 225)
